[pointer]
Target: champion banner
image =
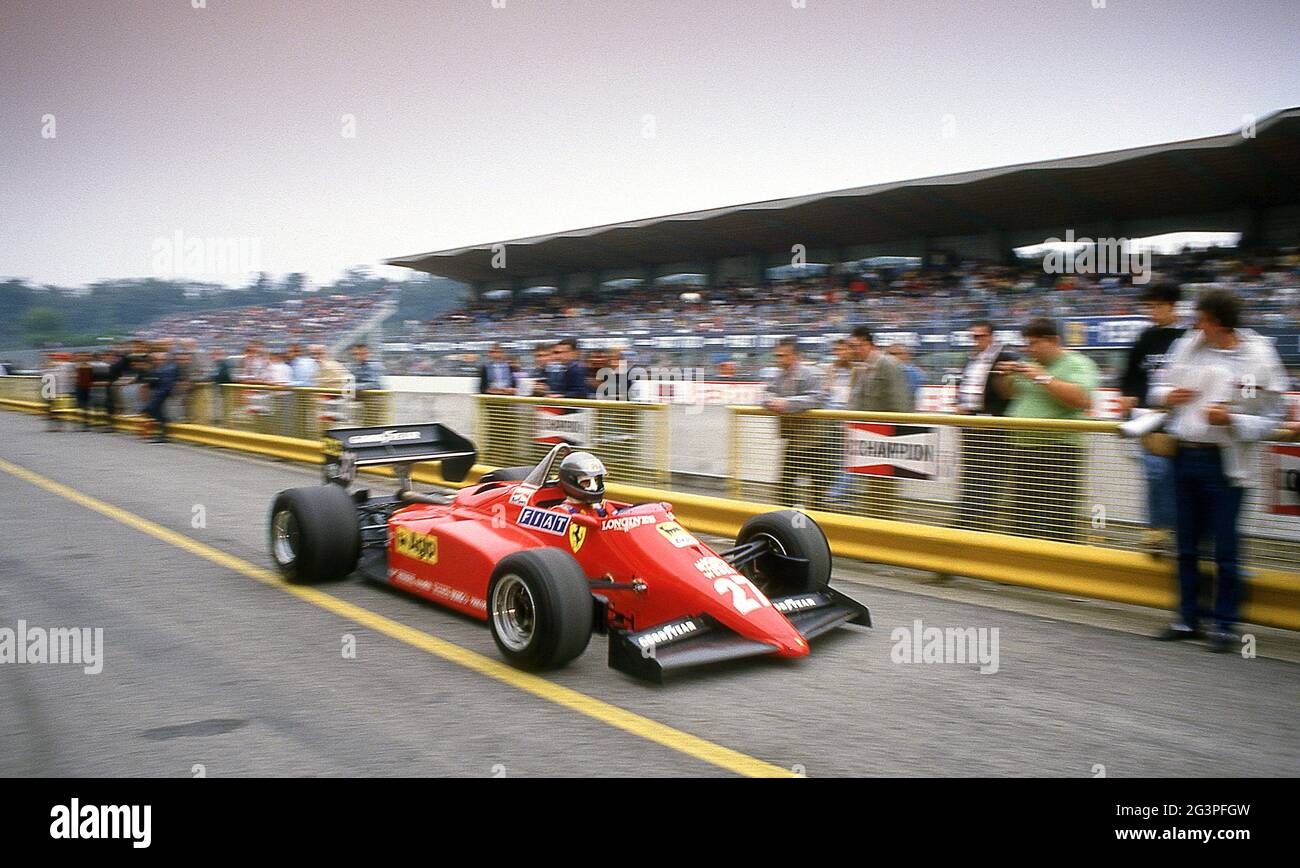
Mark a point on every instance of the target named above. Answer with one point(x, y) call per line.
point(1285, 461)
point(879, 449)
point(570, 425)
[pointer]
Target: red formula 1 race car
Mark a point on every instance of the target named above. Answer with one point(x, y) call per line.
point(539, 554)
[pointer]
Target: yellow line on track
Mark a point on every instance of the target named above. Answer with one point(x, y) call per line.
point(620, 718)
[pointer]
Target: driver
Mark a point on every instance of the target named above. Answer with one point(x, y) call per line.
point(582, 478)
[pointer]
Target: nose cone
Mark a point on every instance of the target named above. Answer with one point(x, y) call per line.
point(769, 625)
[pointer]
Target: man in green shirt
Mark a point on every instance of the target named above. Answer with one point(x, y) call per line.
point(1047, 466)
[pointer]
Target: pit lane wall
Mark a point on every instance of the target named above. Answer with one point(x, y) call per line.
point(1013, 546)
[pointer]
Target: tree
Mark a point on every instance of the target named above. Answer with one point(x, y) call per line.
point(42, 324)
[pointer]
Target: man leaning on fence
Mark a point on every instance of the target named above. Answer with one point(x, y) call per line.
point(1147, 356)
point(795, 388)
point(984, 449)
point(1047, 466)
point(1223, 386)
point(878, 385)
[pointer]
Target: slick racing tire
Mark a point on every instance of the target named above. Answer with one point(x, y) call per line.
point(314, 536)
point(794, 534)
point(539, 609)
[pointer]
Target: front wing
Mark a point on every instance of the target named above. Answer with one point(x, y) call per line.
point(699, 639)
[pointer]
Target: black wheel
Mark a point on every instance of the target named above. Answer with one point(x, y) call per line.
point(539, 608)
point(507, 474)
point(791, 533)
point(314, 534)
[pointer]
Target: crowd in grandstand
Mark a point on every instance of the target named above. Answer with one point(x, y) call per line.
point(888, 298)
point(305, 320)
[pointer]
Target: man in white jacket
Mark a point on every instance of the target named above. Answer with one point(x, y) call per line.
point(1224, 387)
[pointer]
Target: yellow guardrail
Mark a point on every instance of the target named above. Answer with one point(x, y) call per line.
point(631, 438)
point(1272, 596)
point(1068, 481)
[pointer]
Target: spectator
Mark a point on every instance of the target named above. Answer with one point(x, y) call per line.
point(572, 378)
point(278, 371)
point(304, 368)
point(497, 374)
point(252, 370)
point(367, 373)
point(223, 374)
point(914, 376)
point(332, 375)
point(1145, 357)
point(84, 380)
point(1223, 385)
point(879, 384)
point(1047, 466)
point(540, 375)
point(838, 385)
point(160, 380)
point(795, 389)
point(984, 450)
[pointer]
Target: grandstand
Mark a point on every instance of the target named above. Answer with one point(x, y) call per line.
point(918, 258)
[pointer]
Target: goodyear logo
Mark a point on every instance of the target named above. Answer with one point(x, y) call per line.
point(676, 534)
point(794, 604)
point(667, 633)
point(544, 520)
point(421, 546)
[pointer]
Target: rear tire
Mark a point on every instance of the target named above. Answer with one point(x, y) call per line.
point(314, 536)
point(796, 535)
point(539, 609)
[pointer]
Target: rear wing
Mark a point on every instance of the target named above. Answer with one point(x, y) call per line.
point(349, 448)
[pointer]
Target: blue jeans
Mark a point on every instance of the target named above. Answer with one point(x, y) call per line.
point(1161, 502)
point(1207, 505)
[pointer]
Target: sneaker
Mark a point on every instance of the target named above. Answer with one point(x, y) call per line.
point(1177, 631)
point(1223, 640)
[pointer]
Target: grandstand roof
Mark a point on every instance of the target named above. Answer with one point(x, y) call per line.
point(1197, 176)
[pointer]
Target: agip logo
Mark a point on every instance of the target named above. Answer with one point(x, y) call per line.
point(676, 534)
point(421, 546)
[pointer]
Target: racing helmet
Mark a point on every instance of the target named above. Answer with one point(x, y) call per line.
point(582, 477)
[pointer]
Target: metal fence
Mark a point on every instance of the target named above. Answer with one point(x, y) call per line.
point(632, 439)
point(287, 411)
point(1069, 481)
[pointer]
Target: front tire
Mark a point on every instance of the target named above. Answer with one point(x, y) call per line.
point(314, 536)
point(794, 534)
point(539, 609)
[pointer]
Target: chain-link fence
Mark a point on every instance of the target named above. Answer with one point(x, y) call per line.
point(630, 438)
point(1068, 481)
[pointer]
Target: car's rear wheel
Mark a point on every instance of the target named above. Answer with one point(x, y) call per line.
point(791, 533)
point(539, 608)
point(314, 535)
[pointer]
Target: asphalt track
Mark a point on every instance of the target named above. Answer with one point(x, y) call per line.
point(213, 666)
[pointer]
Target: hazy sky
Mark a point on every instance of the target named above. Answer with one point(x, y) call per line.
point(475, 123)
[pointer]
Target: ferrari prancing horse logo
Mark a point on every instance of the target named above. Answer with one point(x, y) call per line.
point(577, 536)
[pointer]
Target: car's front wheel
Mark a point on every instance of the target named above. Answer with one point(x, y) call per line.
point(539, 608)
point(798, 559)
point(314, 536)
